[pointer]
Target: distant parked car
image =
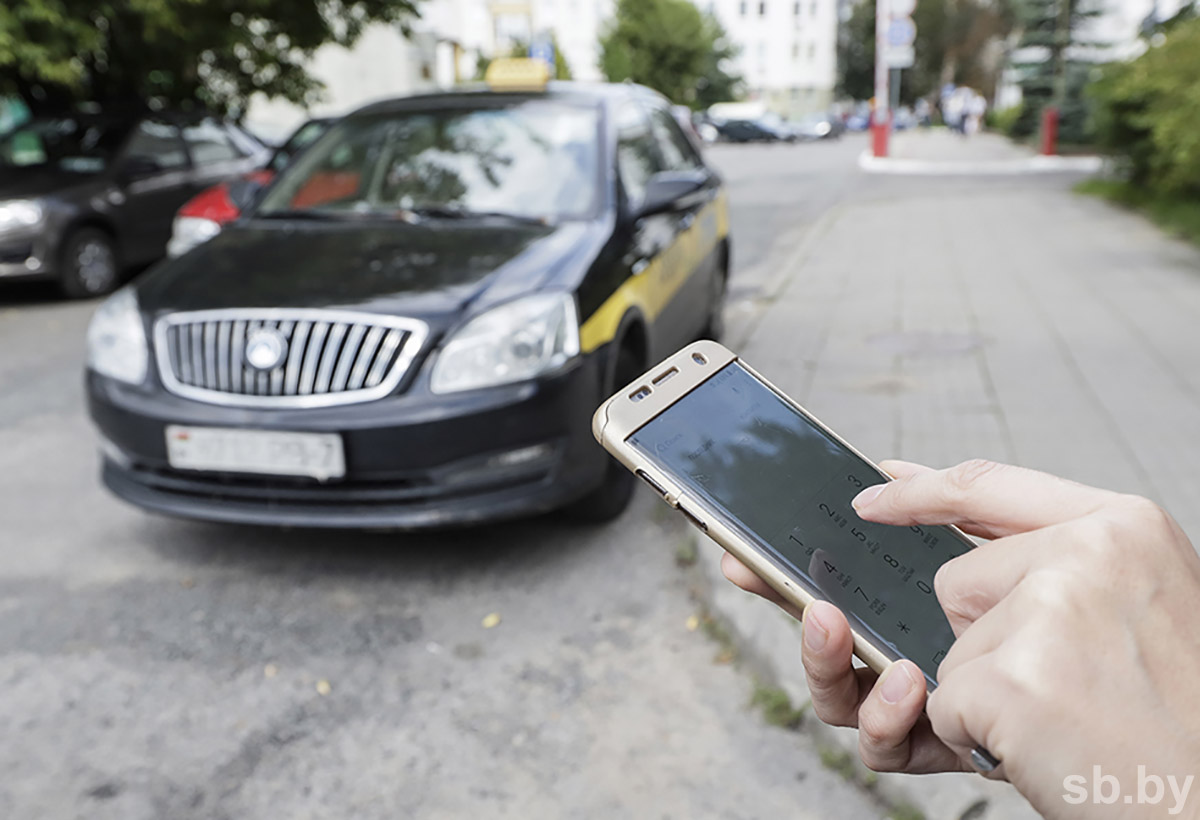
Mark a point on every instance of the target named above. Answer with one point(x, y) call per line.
point(747, 131)
point(202, 217)
point(819, 127)
point(13, 112)
point(85, 196)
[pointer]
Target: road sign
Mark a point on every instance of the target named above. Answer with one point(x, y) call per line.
point(542, 49)
point(902, 31)
point(900, 56)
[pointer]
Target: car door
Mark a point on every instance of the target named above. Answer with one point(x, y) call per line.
point(648, 238)
point(154, 178)
point(694, 257)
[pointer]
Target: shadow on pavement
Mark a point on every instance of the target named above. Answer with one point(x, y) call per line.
point(496, 549)
point(37, 292)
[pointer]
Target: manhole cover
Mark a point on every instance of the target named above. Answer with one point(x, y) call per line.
point(927, 343)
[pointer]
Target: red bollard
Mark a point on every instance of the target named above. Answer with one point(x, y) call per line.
point(880, 128)
point(1049, 131)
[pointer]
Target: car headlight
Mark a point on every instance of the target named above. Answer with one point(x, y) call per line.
point(510, 343)
point(116, 339)
point(189, 231)
point(20, 213)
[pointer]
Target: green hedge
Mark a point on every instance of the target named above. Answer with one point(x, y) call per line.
point(1004, 119)
point(1147, 113)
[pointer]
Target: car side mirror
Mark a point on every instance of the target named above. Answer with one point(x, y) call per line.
point(139, 166)
point(666, 188)
point(244, 193)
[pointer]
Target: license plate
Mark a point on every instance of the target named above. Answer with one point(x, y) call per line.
point(266, 452)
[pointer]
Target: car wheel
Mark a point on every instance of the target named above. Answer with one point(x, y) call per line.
point(88, 264)
point(714, 328)
point(610, 499)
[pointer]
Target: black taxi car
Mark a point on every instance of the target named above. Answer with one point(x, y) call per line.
point(414, 324)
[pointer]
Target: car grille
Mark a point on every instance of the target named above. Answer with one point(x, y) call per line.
point(314, 358)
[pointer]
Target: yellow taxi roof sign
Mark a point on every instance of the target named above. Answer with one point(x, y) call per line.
point(518, 74)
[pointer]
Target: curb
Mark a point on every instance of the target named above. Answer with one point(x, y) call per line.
point(1000, 167)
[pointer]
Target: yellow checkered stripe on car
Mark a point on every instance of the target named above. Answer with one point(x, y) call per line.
point(652, 290)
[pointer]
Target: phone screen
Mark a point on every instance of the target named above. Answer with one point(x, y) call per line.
point(786, 485)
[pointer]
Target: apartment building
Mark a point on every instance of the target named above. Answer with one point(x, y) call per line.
point(788, 49)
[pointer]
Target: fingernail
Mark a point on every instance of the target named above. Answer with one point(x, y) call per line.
point(868, 495)
point(897, 683)
point(815, 635)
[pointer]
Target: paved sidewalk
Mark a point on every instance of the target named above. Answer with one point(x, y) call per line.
point(944, 145)
point(942, 319)
point(1020, 323)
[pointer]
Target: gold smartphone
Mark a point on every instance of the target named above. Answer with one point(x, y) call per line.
point(771, 484)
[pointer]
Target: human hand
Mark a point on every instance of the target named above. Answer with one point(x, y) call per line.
point(1078, 642)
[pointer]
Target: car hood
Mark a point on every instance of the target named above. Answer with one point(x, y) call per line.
point(425, 270)
point(32, 182)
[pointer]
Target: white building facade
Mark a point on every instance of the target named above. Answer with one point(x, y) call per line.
point(789, 50)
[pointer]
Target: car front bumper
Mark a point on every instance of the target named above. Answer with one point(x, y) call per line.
point(412, 461)
point(24, 255)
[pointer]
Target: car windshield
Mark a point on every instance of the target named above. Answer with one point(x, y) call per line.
point(534, 159)
point(83, 145)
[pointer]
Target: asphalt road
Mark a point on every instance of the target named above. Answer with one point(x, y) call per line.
point(154, 668)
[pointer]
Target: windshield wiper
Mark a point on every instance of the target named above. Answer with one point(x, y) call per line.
point(444, 212)
point(311, 216)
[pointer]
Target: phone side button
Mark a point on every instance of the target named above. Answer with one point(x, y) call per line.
point(658, 488)
point(685, 507)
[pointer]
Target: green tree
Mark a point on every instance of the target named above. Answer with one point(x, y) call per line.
point(1056, 69)
point(669, 46)
point(952, 38)
point(213, 52)
point(856, 53)
point(718, 82)
point(1148, 112)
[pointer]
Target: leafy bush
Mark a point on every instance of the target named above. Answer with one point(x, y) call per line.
point(1177, 214)
point(1147, 112)
point(1075, 115)
point(1003, 119)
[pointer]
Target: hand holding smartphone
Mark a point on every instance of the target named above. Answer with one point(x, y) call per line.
point(773, 485)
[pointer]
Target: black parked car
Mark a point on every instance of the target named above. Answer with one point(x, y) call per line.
point(414, 324)
point(85, 196)
point(749, 131)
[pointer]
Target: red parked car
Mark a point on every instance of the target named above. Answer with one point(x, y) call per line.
point(202, 217)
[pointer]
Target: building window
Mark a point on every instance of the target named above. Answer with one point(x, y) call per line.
point(812, 52)
point(742, 9)
point(762, 9)
point(795, 51)
point(812, 10)
point(796, 8)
